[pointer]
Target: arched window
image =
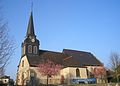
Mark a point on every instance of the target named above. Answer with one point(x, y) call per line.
point(22, 79)
point(22, 63)
point(35, 49)
point(29, 48)
point(77, 73)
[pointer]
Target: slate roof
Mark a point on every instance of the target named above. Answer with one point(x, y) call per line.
point(68, 58)
point(80, 58)
point(56, 57)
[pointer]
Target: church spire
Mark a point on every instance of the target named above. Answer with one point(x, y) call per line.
point(30, 29)
point(30, 46)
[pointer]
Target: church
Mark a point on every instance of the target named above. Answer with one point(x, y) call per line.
point(77, 66)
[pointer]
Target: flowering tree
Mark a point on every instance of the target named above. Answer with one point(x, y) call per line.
point(49, 68)
point(99, 72)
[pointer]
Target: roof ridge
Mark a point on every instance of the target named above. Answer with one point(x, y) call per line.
point(76, 50)
point(51, 51)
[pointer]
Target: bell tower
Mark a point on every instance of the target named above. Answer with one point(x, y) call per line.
point(30, 46)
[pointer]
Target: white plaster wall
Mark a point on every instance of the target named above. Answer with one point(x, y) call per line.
point(25, 70)
point(70, 73)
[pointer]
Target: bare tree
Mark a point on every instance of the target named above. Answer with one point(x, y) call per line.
point(115, 65)
point(6, 46)
point(114, 60)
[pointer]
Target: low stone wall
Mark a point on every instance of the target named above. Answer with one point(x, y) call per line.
point(106, 84)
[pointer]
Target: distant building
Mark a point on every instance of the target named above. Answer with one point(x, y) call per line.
point(6, 81)
point(78, 66)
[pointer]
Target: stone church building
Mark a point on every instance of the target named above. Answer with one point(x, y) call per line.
point(77, 66)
